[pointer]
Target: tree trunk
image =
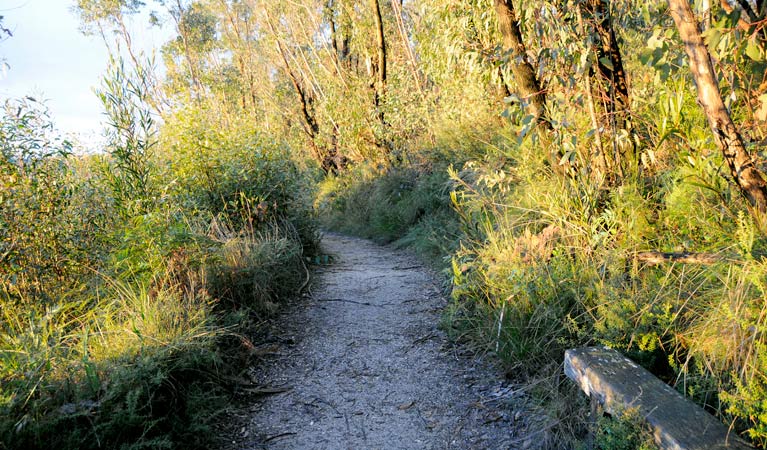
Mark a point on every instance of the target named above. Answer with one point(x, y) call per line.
point(399, 19)
point(330, 11)
point(609, 61)
point(523, 72)
point(742, 166)
point(380, 88)
point(344, 30)
point(328, 159)
point(182, 32)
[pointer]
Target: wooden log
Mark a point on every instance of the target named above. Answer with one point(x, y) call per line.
point(618, 384)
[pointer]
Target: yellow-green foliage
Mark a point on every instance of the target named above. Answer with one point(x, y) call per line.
point(541, 263)
point(117, 322)
point(548, 264)
point(623, 431)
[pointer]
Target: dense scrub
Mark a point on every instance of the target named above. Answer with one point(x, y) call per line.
point(539, 263)
point(591, 198)
point(128, 281)
point(535, 151)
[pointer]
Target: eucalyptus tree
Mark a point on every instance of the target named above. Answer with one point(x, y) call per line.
point(525, 77)
point(109, 17)
point(239, 35)
point(609, 60)
point(742, 164)
point(305, 93)
point(196, 38)
point(357, 72)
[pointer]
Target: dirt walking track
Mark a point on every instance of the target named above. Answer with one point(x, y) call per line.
point(362, 365)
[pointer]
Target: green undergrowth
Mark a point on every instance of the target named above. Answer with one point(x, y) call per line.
point(130, 282)
point(407, 207)
point(624, 431)
point(539, 263)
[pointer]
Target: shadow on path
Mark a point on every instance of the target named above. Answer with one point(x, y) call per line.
point(364, 366)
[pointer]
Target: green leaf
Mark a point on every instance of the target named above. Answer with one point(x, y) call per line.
point(605, 61)
point(567, 157)
point(754, 50)
point(712, 36)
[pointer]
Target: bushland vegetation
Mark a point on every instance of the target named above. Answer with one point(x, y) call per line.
point(576, 184)
point(131, 280)
point(584, 172)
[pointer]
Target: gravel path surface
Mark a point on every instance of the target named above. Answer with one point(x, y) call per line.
point(362, 365)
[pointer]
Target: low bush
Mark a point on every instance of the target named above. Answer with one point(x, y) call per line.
point(122, 312)
point(540, 263)
point(408, 206)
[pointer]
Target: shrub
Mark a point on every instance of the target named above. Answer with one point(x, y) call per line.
point(123, 291)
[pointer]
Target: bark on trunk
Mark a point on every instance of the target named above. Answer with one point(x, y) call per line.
point(328, 158)
point(742, 165)
point(380, 88)
point(523, 72)
point(609, 61)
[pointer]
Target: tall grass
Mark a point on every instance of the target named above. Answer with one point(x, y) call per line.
point(136, 364)
point(121, 312)
point(539, 263)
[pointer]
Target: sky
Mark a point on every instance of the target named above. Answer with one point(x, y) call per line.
point(49, 58)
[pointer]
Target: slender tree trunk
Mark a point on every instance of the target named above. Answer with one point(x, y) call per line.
point(523, 72)
point(333, 33)
point(705, 7)
point(742, 165)
point(337, 55)
point(609, 61)
point(182, 32)
point(380, 87)
point(399, 19)
point(344, 31)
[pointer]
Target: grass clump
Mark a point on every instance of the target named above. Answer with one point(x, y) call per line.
point(124, 295)
point(550, 264)
point(539, 263)
point(409, 207)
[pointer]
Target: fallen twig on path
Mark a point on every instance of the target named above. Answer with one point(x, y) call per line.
point(348, 301)
point(277, 436)
point(267, 390)
point(424, 338)
point(308, 278)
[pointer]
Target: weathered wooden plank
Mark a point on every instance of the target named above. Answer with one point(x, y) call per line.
point(619, 383)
